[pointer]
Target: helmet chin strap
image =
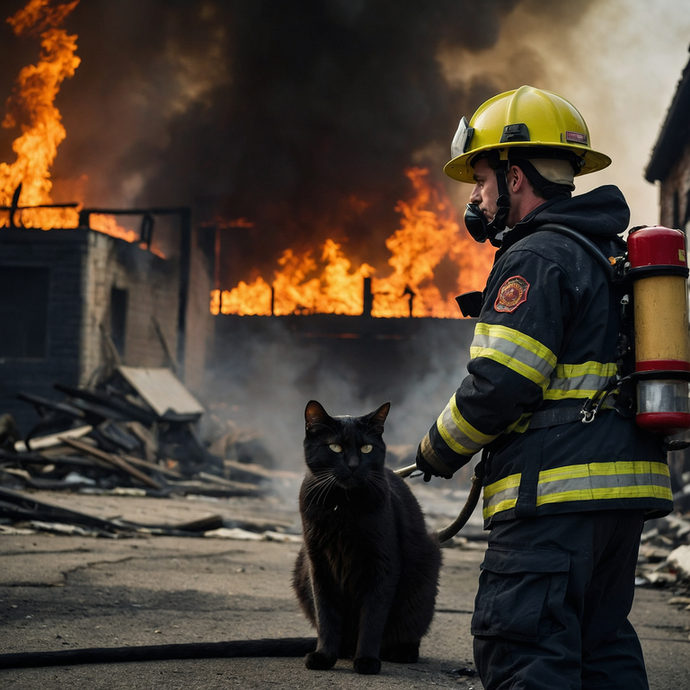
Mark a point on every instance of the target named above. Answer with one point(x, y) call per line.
point(476, 223)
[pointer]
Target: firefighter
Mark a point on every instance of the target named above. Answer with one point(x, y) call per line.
point(569, 478)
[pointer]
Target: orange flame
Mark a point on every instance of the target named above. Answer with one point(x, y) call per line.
point(429, 236)
point(32, 106)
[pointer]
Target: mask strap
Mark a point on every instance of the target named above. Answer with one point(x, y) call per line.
point(498, 224)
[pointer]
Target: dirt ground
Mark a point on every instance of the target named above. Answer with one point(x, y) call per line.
point(66, 592)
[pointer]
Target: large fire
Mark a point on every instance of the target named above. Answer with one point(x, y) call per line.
point(429, 233)
point(26, 183)
point(428, 241)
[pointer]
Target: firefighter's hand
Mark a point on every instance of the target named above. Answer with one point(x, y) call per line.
point(428, 469)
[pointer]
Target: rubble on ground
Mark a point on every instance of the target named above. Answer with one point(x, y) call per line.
point(664, 559)
point(137, 433)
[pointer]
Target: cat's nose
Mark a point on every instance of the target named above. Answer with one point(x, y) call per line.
point(353, 462)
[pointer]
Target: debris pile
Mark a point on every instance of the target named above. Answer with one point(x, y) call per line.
point(664, 558)
point(137, 432)
point(21, 513)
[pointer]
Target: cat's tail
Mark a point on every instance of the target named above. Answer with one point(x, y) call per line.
point(279, 647)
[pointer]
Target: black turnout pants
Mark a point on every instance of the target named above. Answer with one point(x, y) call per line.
point(552, 608)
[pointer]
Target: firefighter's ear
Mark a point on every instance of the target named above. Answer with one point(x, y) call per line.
point(516, 177)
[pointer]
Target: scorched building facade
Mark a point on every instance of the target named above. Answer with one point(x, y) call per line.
point(74, 302)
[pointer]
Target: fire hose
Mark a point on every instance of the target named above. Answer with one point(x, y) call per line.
point(460, 521)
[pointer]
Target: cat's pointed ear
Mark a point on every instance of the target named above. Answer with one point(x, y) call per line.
point(378, 417)
point(314, 414)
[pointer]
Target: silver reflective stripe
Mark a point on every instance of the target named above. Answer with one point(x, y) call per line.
point(579, 380)
point(515, 350)
point(501, 495)
point(594, 481)
point(458, 434)
point(604, 480)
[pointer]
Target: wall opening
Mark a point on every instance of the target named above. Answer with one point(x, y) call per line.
point(118, 318)
point(24, 311)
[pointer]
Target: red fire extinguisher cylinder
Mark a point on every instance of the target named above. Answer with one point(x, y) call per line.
point(658, 267)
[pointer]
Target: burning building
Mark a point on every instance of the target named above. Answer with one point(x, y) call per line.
point(75, 303)
point(305, 142)
point(79, 294)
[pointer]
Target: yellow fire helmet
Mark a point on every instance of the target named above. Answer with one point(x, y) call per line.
point(524, 117)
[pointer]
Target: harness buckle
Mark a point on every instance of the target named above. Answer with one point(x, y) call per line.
point(589, 411)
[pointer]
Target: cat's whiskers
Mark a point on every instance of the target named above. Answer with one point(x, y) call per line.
point(379, 485)
point(319, 486)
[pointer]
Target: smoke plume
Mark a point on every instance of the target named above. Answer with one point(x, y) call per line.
point(298, 117)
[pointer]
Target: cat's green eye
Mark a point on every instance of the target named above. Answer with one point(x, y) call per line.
point(366, 448)
point(336, 448)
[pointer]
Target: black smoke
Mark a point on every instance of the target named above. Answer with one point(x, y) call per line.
point(296, 115)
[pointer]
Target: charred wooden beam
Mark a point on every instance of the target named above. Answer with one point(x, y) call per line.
point(113, 460)
point(126, 410)
point(40, 402)
point(27, 508)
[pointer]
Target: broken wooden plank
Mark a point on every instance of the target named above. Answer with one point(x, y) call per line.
point(152, 466)
point(60, 455)
point(166, 347)
point(40, 402)
point(122, 406)
point(207, 489)
point(39, 442)
point(215, 479)
point(163, 392)
point(194, 527)
point(259, 470)
point(147, 438)
point(26, 508)
point(114, 460)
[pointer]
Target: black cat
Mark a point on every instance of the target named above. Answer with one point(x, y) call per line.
point(366, 576)
point(367, 573)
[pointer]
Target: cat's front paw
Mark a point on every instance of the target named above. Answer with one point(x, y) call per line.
point(368, 665)
point(317, 661)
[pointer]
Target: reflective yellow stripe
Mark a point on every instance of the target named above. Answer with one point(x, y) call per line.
point(517, 351)
point(509, 482)
point(501, 495)
point(459, 435)
point(498, 507)
point(589, 482)
point(594, 469)
point(640, 491)
point(578, 381)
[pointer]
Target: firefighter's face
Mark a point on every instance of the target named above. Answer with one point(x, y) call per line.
point(485, 190)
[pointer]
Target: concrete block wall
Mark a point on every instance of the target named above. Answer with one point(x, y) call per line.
point(152, 284)
point(84, 266)
point(63, 253)
point(152, 288)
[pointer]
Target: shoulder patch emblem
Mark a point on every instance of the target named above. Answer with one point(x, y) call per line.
point(511, 294)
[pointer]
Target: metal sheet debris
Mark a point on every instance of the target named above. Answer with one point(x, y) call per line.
point(162, 390)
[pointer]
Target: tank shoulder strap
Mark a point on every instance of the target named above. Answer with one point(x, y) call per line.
point(587, 244)
point(586, 414)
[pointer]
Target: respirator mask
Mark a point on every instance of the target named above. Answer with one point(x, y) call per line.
point(475, 222)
